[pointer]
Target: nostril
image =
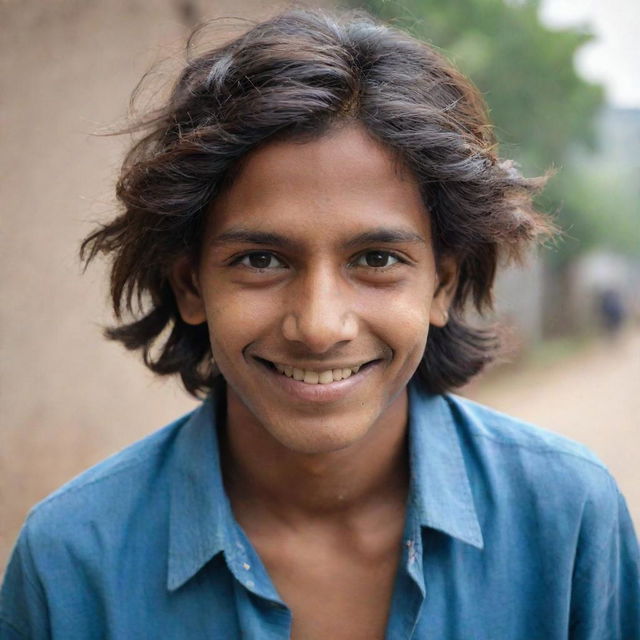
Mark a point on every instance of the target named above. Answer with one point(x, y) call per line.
point(319, 330)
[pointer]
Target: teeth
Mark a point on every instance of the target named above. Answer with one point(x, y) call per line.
point(316, 377)
point(311, 377)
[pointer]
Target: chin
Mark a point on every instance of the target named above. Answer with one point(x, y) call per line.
point(313, 437)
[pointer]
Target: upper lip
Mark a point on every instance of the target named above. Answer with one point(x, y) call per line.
point(319, 366)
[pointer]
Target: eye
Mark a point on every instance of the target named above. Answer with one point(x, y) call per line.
point(260, 260)
point(376, 259)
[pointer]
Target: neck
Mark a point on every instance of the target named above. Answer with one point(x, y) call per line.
point(296, 487)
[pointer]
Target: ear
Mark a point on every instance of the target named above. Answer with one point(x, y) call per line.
point(446, 283)
point(186, 288)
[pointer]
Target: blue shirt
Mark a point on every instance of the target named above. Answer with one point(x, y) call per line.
point(511, 533)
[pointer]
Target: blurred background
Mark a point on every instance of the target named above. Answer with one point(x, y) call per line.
point(562, 80)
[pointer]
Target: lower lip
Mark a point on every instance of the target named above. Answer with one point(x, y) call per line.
point(320, 393)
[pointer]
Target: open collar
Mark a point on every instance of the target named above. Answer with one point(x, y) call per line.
point(201, 521)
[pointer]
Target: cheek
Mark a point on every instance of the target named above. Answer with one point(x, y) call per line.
point(412, 328)
point(237, 318)
point(402, 322)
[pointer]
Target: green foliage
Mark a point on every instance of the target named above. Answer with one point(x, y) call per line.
point(597, 209)
point(542, 110)
point(538, 103)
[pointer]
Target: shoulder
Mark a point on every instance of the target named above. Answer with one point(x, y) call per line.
point(548, 505)
point(501, 431)
point(86, 535)
point(545, 482)
point(114, 486)
point(534, 466)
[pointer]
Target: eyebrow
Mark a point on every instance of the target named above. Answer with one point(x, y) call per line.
point(248, 236)
point(379, 235)
point(385, 235)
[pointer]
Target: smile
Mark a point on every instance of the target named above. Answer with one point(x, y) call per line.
point(310, 376)
point(316, 385)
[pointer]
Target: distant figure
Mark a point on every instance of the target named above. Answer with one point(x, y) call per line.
point(612, 311)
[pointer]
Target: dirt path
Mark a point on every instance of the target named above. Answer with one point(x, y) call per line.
point(592, 397)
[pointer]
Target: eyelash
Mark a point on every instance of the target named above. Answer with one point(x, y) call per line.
point(238, 260)
point(389, 254)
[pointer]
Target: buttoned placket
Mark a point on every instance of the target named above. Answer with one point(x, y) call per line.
point(409, 590)
point(261, 613)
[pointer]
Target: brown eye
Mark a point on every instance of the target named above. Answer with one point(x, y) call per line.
point(261, 260)
point(376, 259)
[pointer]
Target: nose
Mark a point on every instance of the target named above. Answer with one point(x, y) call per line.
point(319, 311)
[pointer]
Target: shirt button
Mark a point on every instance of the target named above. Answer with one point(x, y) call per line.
point(250, 584)
point(246, 566)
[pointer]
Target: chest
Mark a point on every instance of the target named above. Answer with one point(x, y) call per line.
point(334, 590)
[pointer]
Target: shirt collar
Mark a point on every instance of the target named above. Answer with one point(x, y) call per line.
point(202, 525)
point(440, 489)
point(200, 515)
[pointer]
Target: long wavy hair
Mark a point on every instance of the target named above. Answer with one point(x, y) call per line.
point(295, 75)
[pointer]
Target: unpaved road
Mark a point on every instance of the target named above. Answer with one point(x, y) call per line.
point(592, 397)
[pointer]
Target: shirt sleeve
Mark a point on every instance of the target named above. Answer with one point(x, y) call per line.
point(605, 602)
point(23, 609)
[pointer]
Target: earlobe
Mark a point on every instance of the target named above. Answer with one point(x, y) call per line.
point(186, 289)
point(446, 283)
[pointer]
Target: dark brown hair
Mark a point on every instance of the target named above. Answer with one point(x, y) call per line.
point(296, 75)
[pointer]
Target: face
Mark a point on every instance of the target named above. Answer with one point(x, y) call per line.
point(318, 283)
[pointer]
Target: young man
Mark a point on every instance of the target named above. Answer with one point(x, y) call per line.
point(303, 226)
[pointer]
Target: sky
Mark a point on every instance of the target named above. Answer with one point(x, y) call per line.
point(613, 57)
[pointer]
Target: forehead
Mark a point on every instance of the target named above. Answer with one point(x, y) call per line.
point(343, 182)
